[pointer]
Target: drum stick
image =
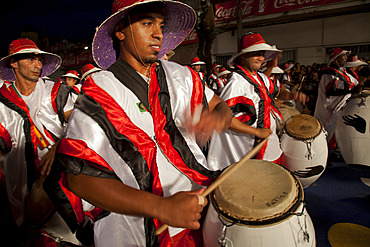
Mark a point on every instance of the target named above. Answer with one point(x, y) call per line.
point(232, 168)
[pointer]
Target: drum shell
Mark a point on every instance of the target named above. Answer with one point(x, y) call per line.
point(285, 233)
point(353, 145)
point(295, 156)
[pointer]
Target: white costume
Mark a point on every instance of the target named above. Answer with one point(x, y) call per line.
point(334, 90)
point(253, 105)
point(136, 144)
point(28, 126)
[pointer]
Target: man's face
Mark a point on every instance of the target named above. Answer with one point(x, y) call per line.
point(28, 68)
point(143, 40)
point(216, 70)
point(196, 68)
point(341, 60)
point(252, 61)
point(70, 81)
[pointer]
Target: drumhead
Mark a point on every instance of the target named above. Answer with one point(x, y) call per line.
point(259, 193)
point(303, 127)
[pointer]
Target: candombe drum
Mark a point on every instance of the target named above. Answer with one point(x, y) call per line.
point(352, 131)
point(287, 112)
point(305, 148)
point(261, 204)
point(41, 213)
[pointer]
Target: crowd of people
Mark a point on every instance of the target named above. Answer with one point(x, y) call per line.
point(120, 149)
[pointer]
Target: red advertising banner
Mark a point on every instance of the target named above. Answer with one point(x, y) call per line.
point(227, 11)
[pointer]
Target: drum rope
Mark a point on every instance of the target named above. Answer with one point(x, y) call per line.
point(309, 155)
point(222, 238)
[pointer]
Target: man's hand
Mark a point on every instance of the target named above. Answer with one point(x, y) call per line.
point(183, 210)
point(47, 161)
point(263, 133)
point(301, 97)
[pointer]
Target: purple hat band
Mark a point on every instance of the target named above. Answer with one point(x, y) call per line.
point(50, 64)
point(180, 20)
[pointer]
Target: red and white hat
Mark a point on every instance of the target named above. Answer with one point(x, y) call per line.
point(71, 73)
point(336, 52)
point(51, 62)
point(223, 71)
point(87, 70)
point(251, 42)
point(287, 66)
point(215, 65)
point(196, 61)
point(353, 61)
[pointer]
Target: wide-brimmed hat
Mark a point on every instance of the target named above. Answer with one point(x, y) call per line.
point(196, 61)
point(287, 66)
point(336, 52)
point(223, 71)
point(251, 42)
point(353, 61)
point(179, 17)
point(214, 66)
point(87, 70)
point(51, 62)
point(72, 73)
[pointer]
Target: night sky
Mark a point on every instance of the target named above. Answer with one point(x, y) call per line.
point(74, 20)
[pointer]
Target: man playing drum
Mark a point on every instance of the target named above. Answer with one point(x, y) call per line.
point(32, 118)
point(250, 96)
point(335, 88)
point(128, 148)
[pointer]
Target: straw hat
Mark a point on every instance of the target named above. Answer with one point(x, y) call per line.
point(87, 70)
point(251, 42)
point(50, 63)
point(71, 73)
point(179, 17)
point(353, 61)
point(223, 71)
point(336, 52)
point(196, 61)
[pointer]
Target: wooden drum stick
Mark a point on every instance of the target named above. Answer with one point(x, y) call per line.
point(232, 168)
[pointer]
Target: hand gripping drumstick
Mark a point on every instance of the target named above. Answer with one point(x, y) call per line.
point(224, 175)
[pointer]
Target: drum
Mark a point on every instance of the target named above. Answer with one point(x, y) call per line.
point(259, 205)
point(352, 132)
point(287, 112)
point(305, 148)
point(40, 212)
point(39, 208)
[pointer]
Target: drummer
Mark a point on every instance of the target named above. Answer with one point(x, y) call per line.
point(250, 96)
point(335, 88)
point(30, 123)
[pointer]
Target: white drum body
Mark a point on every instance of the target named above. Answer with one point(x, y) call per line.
point(352, 131)
point(58, 230)
point(289, 233)
point(261, 204)
point(305, 157)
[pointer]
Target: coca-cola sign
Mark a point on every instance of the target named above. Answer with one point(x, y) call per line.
point(227, 11)
point(191, 38)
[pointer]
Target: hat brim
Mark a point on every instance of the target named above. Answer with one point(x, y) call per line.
point(71, 75)
point(198, 63)
point(89, 72)
point(50, 64)
point(277, 70)
point(355, 64)
point(289, 67)
point(180, 20)
point(270, 52)
point(224, 73)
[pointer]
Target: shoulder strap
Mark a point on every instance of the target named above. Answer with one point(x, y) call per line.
point(131, 79)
